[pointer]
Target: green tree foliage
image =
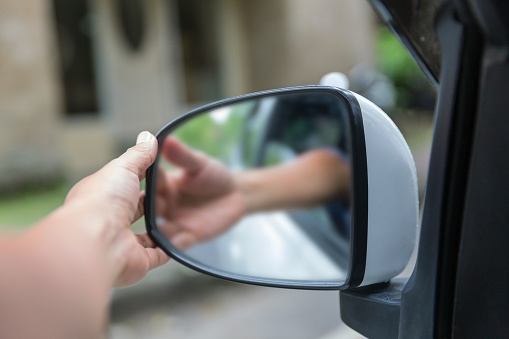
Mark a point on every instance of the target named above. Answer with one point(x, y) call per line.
point(394, 61)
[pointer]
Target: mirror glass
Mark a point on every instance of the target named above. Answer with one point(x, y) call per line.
point(260, 188)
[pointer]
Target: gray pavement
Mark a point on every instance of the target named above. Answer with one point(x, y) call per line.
point(174, 302)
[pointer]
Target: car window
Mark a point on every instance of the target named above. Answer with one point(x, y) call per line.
point(316, 126)
point(412, 21)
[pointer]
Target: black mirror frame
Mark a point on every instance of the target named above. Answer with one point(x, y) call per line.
point(359, 192)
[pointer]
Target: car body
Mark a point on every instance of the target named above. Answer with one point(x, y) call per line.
point(459, 285)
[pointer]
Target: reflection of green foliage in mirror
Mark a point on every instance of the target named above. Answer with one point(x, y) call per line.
point(255, 127)
point(250, 145)
point(278, 153)
point(215, 133)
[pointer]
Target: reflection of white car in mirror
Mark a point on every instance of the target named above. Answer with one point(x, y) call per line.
point(284, 234)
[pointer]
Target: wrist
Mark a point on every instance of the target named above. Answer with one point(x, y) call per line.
point(246, 184)
point(88, 232)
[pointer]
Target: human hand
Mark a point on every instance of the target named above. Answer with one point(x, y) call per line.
point(111, 198)
point(199, 201)
point(61, 271)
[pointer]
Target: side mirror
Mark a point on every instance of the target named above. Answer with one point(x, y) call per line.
point(356, 237)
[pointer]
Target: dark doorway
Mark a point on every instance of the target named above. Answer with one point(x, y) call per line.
point(200, 55)
point(73, 20)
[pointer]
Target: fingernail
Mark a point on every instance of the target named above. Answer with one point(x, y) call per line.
point(143, 137)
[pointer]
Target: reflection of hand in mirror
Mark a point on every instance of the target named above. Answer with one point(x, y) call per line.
point(314, 178)
point(203, 199)
point(197, 202)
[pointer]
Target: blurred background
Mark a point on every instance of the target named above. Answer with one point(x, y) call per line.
point(80, 79)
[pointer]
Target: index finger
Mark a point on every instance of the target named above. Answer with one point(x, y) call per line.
point(182, 156)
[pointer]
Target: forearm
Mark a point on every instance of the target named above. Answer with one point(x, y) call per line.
point(310, 180)
point(59, 282)
point(266, 189)
point(56, 279)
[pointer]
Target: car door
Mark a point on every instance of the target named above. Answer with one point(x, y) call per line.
point(459, 285)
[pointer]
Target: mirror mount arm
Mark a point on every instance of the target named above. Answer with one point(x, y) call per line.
point(373, 311)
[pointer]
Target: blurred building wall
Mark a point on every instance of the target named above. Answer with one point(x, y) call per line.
point(191, 52)
point(295, 42)
point(140, 89)
point(29, 95)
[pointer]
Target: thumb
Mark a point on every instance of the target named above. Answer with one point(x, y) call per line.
point(139, 157)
